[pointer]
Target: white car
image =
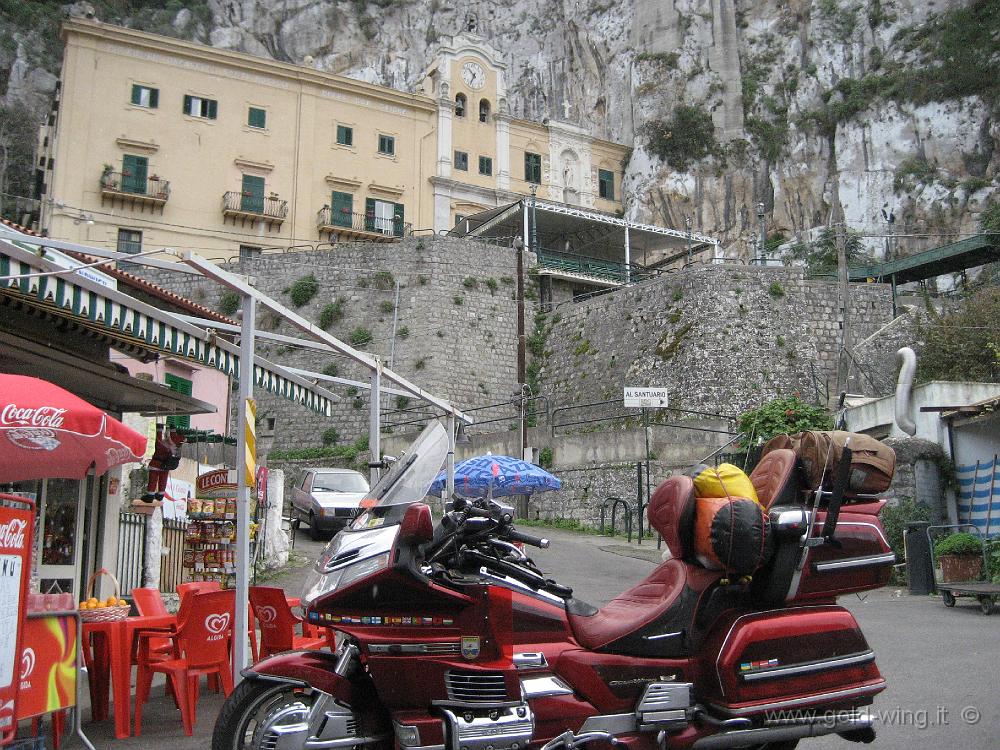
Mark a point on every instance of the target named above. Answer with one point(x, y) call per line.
point(327, 499)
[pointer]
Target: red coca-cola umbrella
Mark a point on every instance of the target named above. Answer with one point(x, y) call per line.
point(47, 432)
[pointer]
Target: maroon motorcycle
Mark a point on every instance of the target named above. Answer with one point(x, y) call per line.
point(450, 638)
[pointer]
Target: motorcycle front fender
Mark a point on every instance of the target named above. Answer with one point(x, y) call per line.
point(314, 669)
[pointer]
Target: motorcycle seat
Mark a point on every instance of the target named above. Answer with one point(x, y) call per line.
point(654, 617)
point(776, 478)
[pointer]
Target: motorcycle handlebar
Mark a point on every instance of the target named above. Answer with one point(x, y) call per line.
point(516, 536)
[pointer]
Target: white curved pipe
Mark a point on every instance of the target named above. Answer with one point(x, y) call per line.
point(904, 390)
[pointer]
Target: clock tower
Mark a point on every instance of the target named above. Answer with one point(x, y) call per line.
point(472, 165)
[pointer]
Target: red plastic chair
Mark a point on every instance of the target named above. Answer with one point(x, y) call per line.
point(149, 603)
point(277, 622)
point(202, 639)
point(199, 587)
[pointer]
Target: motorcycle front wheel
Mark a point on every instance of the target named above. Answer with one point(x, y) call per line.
point(259, 715)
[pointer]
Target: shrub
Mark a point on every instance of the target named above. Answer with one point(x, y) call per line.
point(360, 336)
point(229, 303)
point(352, 390)
point(330, 436)
point(687, 137)
point(420, 364)
point(383, 280)
point(386, 306)
point(469, 282)
point(894, 519)
point(962, 543)
point(963, 344)
point(545, 458)
point(402, 402)
point(422, 280)
point(403, 332)
point(303, 290)
point(332, 313)
point(358, 402)
point(783, 415)
point(776, 290)
point(492, 285)
point(332, 369)
point(458, 299)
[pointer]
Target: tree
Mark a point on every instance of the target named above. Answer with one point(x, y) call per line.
point(17, 149)
point(964, 343)
point(820, 256)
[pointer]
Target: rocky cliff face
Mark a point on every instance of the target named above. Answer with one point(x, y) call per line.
point(808, 106)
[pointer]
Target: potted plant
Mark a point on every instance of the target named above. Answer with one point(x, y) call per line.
point(961, 557)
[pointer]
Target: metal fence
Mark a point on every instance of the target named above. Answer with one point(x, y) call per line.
point(131, 550)
point(171, 567)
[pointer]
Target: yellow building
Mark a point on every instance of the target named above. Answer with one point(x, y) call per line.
point(157, 142)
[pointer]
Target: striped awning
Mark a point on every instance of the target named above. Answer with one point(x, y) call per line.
point(136, 324)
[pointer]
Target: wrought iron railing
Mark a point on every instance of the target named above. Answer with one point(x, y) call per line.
point(131, 550)
point(601, 268)
point(172, 567)
point(328, 218)
point(249, 203)
point(135, 184)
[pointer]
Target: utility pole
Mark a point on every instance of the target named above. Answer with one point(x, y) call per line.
point(845, 291)
point(763, 232)
point(521, 338)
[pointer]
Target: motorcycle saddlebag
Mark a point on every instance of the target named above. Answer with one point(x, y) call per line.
point(872, 462)
point(782, 663)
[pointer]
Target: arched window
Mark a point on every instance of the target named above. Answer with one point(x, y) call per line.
point(484, 110)
point(460, 105)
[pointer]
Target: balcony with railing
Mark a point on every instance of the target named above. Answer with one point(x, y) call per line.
point(346, 225)
point(249, 207)
point(135, 190)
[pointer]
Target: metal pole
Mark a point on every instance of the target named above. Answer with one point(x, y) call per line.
point(628, 258)
point(242, 552)
point(374, 425)
point(534, 222)
point(687, 223)
point(845, 291)
point(645, 431)
point(450, 465)
point(763, 231)
point(522, 341)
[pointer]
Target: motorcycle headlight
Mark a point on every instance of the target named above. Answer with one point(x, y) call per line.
point(319, 584)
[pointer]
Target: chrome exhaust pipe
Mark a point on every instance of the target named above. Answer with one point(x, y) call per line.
point(817, 728)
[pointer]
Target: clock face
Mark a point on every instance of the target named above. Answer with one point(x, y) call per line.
point(474, 75)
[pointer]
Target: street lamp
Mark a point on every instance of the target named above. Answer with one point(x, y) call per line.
point(687, 223)
point(763, 232)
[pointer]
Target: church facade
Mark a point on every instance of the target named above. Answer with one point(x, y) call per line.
point(157, 142)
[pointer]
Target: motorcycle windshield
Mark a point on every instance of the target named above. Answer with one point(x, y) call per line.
point(407, 481)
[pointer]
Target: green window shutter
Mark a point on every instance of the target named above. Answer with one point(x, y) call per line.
point(606, 184)
point(387, 145)
point(134, 171)
point(397, 216)
point(182, 386)
point(257, 118)
point(213, 108)
point(342, 208)
point(486, 166)
point(136, 94)
point(345, 135)
point(253, 194)
point(369, 214)
point(187, 104)
point(154, 98)
point(532, 167)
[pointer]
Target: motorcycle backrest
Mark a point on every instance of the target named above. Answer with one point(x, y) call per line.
point(775, 478)
point(671, 512)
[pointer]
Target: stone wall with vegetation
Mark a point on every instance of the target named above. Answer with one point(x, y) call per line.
point(722, 339)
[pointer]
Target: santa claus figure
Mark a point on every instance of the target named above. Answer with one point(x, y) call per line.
point(166, 457)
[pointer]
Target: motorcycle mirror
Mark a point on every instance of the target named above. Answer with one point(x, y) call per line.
point(458, 504)
point(417, 525)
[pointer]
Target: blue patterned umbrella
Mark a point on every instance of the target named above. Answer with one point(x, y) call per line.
point(497, 476)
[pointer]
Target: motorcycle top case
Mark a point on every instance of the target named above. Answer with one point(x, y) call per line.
point(789, 660)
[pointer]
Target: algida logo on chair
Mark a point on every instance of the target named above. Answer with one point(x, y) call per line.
point(217, 625)
point(267, 614)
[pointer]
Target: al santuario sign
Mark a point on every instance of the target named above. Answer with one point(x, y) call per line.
point(221, 482)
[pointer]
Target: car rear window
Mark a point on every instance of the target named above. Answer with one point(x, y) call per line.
point(340, 483)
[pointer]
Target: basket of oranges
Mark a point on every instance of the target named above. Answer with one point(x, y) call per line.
point(113, 608)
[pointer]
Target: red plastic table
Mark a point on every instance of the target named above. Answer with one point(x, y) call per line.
point(108, 649)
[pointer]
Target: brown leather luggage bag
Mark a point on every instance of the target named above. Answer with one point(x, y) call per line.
point(872, 462)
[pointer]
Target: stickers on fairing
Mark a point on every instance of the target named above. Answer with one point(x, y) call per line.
point(470, 646)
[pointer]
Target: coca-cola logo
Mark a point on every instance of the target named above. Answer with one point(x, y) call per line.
point(34, 438)
point(27, 663)
point(117, 456)
point(39, 416)
point(12, 533)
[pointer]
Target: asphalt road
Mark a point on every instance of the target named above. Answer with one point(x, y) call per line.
point(942, 665)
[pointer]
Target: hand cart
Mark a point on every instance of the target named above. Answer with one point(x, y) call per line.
point(986, 592)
